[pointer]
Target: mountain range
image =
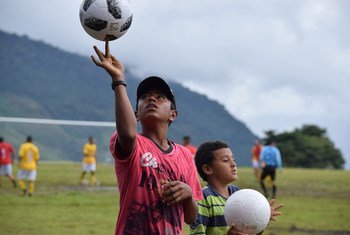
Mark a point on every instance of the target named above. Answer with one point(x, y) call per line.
point(42, 81)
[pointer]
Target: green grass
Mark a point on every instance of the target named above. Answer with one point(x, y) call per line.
point(59, 206)
point(316, 202)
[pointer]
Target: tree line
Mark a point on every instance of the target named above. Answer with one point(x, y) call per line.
point(307, 147)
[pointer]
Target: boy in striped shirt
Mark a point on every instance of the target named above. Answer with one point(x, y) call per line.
point(216, 165)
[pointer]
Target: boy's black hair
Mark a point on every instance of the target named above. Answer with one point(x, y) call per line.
point(204, 155)
point(158, 83)
point(155, 82)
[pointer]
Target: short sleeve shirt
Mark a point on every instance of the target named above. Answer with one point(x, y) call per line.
point(6, 150)
point(141, 208)
point(89, 153)
point(211, 219)
point(29, 154)
point(192, 149)
point(256, 149)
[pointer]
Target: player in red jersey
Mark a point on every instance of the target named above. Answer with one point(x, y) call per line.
point(255, 158)
point(7, 153)
point(187, 143)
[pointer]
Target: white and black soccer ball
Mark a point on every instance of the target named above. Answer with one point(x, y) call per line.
point(106, 20)
point(249, 210)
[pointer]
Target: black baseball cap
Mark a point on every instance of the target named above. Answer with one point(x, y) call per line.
point(157, 83)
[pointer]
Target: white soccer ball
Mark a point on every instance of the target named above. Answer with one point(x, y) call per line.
point(249, 210)
point(105, 19)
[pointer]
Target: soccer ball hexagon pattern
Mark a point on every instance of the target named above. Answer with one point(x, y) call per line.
point(249, 210)
point(105, 20)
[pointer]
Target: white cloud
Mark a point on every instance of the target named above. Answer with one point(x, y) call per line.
point(273, 64)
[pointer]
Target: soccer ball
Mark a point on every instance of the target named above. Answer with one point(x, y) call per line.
point(105, 20)
point(249, 210)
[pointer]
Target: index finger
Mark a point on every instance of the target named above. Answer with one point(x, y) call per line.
point(170, 184)
point(99, 53)
point(107, 53)
point(278, 206)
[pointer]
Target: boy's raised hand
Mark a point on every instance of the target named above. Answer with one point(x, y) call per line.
point(173, 192)
point(274, 209)
point(107, 61)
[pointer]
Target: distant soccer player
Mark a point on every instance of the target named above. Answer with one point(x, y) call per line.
point(256, 149)
point(89, 161)
point(270, 159)
point(188, 145)
point(7, 153)
point(28, 159)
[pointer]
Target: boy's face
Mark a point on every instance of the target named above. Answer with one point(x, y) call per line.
point(223, 166)
point(154, 105)
point(186, 141)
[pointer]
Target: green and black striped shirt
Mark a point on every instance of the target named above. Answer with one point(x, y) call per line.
point(211, 212)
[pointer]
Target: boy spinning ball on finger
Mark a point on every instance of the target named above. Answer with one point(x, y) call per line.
point(157, 178)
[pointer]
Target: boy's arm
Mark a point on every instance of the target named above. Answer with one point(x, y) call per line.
point(190, 210)
point(262, 158)
point(199, 226)
point(279, 160)
point(85, 150)
point(124, 114)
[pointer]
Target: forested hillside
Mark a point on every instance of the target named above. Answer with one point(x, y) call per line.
point(41, 81)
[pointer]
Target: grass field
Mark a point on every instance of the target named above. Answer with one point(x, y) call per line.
point(316, 202)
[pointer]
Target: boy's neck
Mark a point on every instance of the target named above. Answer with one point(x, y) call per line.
point(157, 138)
point(220, 187)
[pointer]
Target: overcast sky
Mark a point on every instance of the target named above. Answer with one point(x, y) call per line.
point(274, 64)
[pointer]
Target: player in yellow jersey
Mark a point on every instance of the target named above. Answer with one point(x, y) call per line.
point(89, 161)
point(28, 159)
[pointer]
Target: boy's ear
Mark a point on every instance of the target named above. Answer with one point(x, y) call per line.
point(207, 170)
point(173, 115)
point(137, 115)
